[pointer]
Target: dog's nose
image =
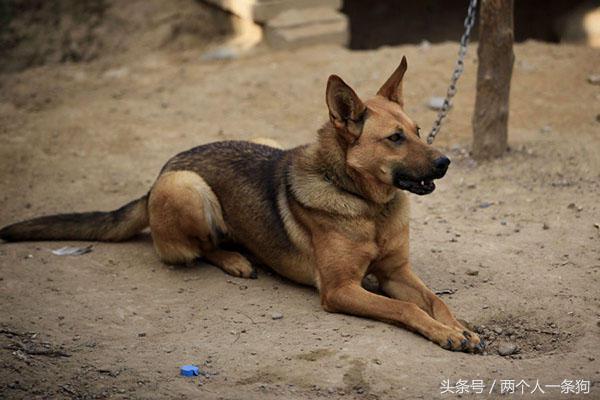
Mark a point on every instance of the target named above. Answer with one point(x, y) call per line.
point(441, 164)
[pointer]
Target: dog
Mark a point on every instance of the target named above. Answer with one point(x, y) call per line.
point(324, 214)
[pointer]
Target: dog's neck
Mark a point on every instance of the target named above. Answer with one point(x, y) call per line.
point(330, 155)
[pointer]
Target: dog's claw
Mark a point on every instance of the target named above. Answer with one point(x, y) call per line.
point(463, 343)
point(481, 346)
point(467, 334)
point(448, 345)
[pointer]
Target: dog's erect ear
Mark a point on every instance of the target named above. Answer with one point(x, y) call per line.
point(346, 110)
point(392, 88)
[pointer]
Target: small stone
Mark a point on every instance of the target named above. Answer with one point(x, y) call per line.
point(276, 315)
point(498, 330)
point(485, 204)
point(546, 129)
point(472, 272)
point(220, 53)
point(142, 334)
point(545, 226)
point(435, 103)
point(507, 349)
point(594, 79)
point(485, 306)
point(424, 45)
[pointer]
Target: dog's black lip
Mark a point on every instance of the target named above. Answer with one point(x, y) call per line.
point(415, 186)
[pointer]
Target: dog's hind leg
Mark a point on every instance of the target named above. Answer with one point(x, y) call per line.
point(186, 222)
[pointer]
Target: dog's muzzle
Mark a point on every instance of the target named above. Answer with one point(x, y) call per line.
point(423, 185)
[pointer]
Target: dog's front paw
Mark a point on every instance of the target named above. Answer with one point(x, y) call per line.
point(457, 340)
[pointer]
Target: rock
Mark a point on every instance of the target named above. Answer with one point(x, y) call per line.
point(220, 53)
point(435, 103)
point(424, 45)
point(546, 129)
point(263, 11)
point(507, 349)
point(545, 226)
point(594, 79)
point(485, 204)
point(276, 315)
point(307, 26)
point(116, 73)
point(498, 330)
point(472, 272)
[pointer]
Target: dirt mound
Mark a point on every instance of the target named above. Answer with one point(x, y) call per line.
point(41, 32)
point(518, 337)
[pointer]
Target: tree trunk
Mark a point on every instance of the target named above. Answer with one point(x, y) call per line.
point(496, 58)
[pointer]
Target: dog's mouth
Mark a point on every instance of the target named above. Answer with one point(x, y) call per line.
point(421, 187)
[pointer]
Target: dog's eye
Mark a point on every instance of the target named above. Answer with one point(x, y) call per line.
point(397, 137)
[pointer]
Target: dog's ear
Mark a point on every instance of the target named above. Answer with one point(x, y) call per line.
point(392, 88)
point(346, 110)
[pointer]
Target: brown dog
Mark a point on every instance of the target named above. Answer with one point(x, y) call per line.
point(325, 214)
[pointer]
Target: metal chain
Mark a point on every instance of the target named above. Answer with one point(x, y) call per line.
point(458, 70)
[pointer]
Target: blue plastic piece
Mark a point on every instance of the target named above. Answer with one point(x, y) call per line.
point(189, 370)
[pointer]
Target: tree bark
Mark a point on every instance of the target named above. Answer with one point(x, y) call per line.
point(494, 72)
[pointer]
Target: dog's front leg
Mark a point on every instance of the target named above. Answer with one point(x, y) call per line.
point(400, 282)
point(353, 299)
point(342, 263)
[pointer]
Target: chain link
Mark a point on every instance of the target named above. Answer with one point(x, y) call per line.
point(458, 70)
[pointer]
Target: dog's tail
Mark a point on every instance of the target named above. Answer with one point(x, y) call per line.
point(111, 226)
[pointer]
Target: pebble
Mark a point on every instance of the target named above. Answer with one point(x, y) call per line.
point(545, 226)
point(506, 349)
point(221, 53)
point(498, 330)
point(276, 315)
point(424, 45)
point(594, 79)
point(472, 272)
point(435, 103)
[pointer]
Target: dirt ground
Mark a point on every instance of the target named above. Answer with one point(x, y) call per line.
point(514, 243)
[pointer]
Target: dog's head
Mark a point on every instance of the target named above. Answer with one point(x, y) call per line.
point(382, 142)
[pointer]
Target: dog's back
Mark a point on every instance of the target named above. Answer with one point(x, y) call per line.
point(247, 179)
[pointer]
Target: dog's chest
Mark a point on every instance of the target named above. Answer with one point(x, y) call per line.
point(392, 226)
